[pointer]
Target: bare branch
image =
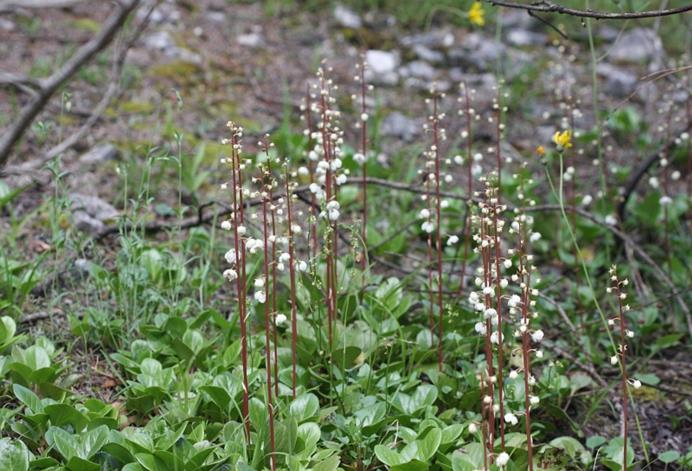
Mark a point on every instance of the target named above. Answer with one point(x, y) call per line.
point(11, 4)
point(51, 84)
point(550, 7)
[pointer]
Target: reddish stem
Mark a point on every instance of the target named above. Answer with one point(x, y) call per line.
point(292, 276)
point(267, 328)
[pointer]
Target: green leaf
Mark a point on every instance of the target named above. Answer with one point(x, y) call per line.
point(413, 465)
point(451, 433)
point(572, 447)
point(595, 441)
point(428, 445)
point(28, 398)
point(304, 407)
point(63, 414)
point(648, 378)
point(14, 455)
point(36, 358)
point(64, 442)
point(330, 464)
point(387, 455)
point(669, 456)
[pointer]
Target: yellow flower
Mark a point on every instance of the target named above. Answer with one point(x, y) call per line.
point(540, 150)
point(563, 140)
point(477, 14)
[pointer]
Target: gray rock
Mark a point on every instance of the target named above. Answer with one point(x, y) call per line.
point(418, 69)
point(478, 51)
point(6, 25)
point(511, 18)
point(346, 17)
point(483, 53)
point(382, 67)
point(427, 54)
point(165, 12)
point(99, 154)
point(86, 223)
point(251, 40)
point(522, 37)
point(636, 46)
point(82, 267)
point(162, 41)
point(397, 125)
point(430, 39)
point(617, 81)
point(93, 207)
point(216, 16)
point(159, 40)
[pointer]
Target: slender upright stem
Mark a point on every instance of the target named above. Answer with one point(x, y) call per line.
point(267, 325)
point(469, 188)
point(438, 213)
point(364, 150)
point(239, 249)
point(292, 276)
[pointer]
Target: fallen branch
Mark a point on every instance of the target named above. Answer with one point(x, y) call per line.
point(37, 4)
point(50, 85)
point(545, 6)
point(111, 92)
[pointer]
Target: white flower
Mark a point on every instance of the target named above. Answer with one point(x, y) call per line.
point(480, 328)
point(359, 158)
point(280, 319)
point(428, 227)
point(675, 175)
point(242, 230)
point(502, 459)
point(312, 155)
point(341, 179)
point(488, 290)
point(314, 188)
point(513, 374)
point(665, 200)
point(537, 336)
point(653, 181)
point(424, 213)
point(586, 200)
point(458, 159)
point(226, 225)
point(284, 257)
point(507, 263)
point(534, 400)
point(535, 236)
point(363, 116)
point(335, 164)
point(504, 283)
point(453, 239)
point(636, 384)
point(611, 220)
point(490, 312)
point(253, 245)
point(614, 360)
point(511, 418)
point(302, 266)
point(303, 171)
point(473, 428)
point(477, 157)
point(230, 274)
point(333, 212)
point(260, 297)
point(230, 256)
point(494, 337)
point(259, 283)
